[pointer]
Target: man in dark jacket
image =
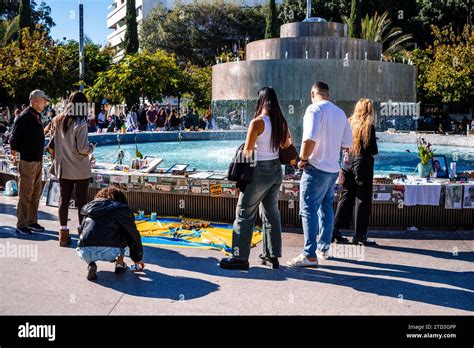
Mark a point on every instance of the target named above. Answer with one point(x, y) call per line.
point(108, 227)
point(28, 140)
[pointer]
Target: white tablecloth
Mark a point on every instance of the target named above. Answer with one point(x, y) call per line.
point(422, 193)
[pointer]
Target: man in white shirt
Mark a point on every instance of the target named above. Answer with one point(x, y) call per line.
point(326, 130)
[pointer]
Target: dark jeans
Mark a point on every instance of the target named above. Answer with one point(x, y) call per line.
point(66, 188)
point(357, 189)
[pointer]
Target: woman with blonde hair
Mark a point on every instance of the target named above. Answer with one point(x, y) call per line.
point(357, 175)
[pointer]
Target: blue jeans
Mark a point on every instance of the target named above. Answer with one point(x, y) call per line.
point(260, 195)
point(316, 211)
point(99, 253)
point(151, 127)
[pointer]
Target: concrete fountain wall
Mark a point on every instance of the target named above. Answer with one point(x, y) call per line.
point(305, 53)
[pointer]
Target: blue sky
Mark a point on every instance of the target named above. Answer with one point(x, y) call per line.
point(65, 14)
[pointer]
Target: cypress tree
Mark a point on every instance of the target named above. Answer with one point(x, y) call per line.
point(271, 28)
point(354, 20)
point(131, 32)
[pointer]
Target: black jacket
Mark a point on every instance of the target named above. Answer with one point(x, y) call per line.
point(112, 224)
point(239, 170)
point(28, 136)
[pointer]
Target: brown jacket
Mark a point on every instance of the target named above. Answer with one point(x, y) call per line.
point(72, 150)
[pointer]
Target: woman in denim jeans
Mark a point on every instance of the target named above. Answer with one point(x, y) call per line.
point(267, 133)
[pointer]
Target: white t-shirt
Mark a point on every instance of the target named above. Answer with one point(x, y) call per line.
point(327, 125)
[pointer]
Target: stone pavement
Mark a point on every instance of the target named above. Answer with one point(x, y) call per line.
point(409, 273)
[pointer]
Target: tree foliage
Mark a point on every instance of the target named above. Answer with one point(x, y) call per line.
point(144, 74)
point(131, 32)
point(379, 29)
point(39, 64)
point(446, 69)
point(354, 21)
point(272, 27)
point(199, 32)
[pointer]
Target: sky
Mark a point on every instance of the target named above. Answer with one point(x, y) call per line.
point(65, 14)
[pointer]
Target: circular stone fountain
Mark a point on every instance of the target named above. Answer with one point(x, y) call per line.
point(307, 52)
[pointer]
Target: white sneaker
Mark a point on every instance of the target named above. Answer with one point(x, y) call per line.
point(322, 254)
point(301, 261)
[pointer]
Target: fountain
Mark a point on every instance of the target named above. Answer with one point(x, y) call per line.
point(300, 57)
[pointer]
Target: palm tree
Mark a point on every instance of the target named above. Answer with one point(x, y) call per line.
point(9, 30)
point(378, 29)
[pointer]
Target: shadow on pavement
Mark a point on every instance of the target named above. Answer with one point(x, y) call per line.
point(10, 209)
point(384, 279)
point(154, 284)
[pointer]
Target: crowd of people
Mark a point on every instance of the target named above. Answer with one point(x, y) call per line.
point(150, 118)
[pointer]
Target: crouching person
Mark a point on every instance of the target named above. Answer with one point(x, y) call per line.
point(107, 229)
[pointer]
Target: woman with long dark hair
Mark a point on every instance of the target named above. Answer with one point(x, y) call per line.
point(357, 176)
point(71, 163)
point(267, 133)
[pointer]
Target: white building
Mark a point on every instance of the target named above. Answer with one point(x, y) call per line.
point(118, 11)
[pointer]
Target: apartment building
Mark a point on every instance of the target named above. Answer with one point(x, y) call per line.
point(118, 10)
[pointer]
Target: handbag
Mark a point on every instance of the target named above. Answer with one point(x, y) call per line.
point(289, 155)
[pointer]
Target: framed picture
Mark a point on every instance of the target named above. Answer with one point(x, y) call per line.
point(440, 166)
point(53, 193)
point(178, 167)
point(468, 201)
point(453, 197)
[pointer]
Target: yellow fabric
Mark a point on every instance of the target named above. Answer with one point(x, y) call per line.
point(212, 237)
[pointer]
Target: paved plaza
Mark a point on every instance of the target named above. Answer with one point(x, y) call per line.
point(409, 273)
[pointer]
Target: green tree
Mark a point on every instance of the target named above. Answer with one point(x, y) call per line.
point(271, 23)
point(9, 29)
point(379, 29)
point(131, 32)
point(200, 89)
point(38, 63)
point(446, 69)
point(10, 19)
point(199, 32)
point(354, 21)
point(144, 74)
point(24, 16)
point(96, 59)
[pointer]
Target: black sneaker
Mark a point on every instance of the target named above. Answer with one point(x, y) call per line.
point(231, 263)
point(92, 271)
point(36, 227)
point(340, 240)
point(273, 261)
point(364, 241)
point(23, 230)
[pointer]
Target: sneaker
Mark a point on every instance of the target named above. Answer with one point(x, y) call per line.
point(301, 261)
point(364, 241)
point(36, 227)
point(323, 254)
point(340, 240)
point(120, 267)
point(273, 261)
point(24, 230)
point(92, 271)
point(232, 263)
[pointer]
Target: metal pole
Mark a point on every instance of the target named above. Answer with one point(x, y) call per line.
point(81, 44)
point(308, 9)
